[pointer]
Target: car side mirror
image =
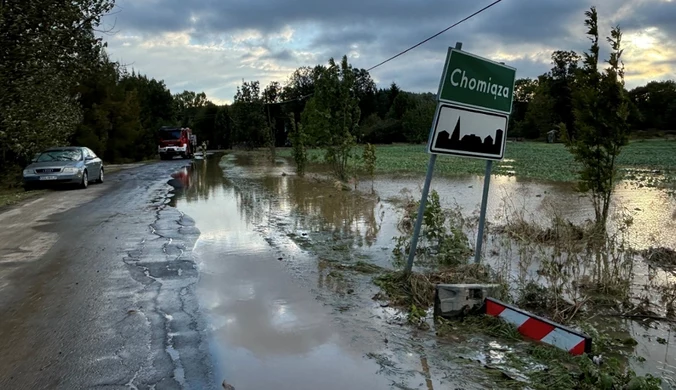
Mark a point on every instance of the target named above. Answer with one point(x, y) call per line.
point(89, 158)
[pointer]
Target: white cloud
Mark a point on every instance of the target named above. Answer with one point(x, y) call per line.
point(211, 47)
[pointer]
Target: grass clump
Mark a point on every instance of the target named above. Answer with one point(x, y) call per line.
point(405, 290)
point(564, 371)
point(560, 230)
point(662, 257)
point(14, 196)
point(442, 242)
point(360, 266)
point(492, 326)
point(563, 268)
point(484, 324)
point(549, 368)
point(366, 268)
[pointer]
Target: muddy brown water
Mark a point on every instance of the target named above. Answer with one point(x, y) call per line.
point(281, 318)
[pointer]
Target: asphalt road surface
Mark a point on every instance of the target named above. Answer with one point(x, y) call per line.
point(96, 289)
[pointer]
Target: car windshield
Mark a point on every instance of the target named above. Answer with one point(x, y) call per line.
point(60, 155)
point(170, 134)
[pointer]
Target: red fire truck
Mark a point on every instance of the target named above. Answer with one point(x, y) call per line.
point(176, 141)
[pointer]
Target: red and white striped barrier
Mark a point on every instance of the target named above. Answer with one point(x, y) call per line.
point(540, 329)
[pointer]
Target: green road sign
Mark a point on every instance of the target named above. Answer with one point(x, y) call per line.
point(477, 82)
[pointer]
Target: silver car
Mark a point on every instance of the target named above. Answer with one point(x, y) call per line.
point(67, 165)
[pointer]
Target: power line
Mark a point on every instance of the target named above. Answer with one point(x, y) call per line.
point(291, 100)
point(405, 51)
point(436, 35)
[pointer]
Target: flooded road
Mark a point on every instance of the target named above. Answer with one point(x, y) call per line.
point(282, 318)
point(271, 331)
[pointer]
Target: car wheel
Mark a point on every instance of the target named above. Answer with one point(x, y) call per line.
point(85, 180)
point(100, 176)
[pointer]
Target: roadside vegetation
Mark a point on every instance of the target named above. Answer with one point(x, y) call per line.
point(580, 275)
point(9, 197)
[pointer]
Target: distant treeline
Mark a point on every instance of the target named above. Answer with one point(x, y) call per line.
point(546, 103)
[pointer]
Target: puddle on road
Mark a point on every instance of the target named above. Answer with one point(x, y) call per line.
point(268, 329)
point(282, 319)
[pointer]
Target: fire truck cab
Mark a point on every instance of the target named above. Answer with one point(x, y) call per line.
point(176, 141)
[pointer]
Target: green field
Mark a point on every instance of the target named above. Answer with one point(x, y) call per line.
point(532, 160)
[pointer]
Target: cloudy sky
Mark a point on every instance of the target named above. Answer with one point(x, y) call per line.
point(211, 45)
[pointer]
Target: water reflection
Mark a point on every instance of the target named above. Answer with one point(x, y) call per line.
point(268, 330)
point(196, 182)
point(312, 205)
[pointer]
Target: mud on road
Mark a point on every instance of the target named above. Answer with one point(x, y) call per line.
point(96, 289)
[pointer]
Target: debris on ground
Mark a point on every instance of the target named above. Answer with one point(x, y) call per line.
point(418, 289)
point(360, 266)
point(664, 258)
point(560, 231)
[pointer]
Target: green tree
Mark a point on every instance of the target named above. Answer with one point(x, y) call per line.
point(331, 116)
point(272, 94)
point(656, 105)
point(223, 128)
point(248, 117)
point(400, 104)
point(562, 84)
point(205, 123)
point(601, 111)
point(370, 158)
point(111, 124)
point(524, 93)
point(418, 117)
point(298, 141)
point(157, 110)
point(46, 48)
point(125, 128)
point(96, 98)
point(187, 105)
point(539, 117)
point(298, 89)
point(366, 92)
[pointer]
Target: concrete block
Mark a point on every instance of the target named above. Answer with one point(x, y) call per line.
point(457, 300)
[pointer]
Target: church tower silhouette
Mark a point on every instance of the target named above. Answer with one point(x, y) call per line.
point(455, 137)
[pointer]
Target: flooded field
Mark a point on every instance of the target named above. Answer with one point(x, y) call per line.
point(289, 299)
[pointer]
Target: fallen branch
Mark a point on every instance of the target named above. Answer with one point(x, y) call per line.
point(640, 317)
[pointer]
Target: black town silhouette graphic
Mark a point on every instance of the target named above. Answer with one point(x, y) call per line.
point(470, 142)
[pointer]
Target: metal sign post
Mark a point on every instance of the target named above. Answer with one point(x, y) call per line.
point(421, 212)
point(423, 199)
point(474, 103)
point(482, 215)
